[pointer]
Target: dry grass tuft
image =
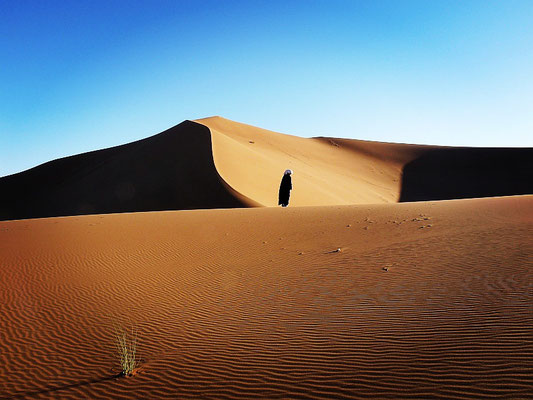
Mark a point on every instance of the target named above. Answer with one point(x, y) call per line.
point(126, 342)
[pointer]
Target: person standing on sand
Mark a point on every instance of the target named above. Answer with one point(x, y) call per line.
point(285, 188)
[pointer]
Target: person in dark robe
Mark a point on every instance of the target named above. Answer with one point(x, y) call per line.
point(285, 188)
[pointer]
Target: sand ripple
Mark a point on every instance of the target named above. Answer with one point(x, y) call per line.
point(226, 309)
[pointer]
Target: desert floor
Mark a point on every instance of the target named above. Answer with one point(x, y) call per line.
point(410, 300)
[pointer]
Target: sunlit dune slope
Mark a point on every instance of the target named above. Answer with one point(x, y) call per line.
point(428, 300)
point(329, 171)
point(326, 172)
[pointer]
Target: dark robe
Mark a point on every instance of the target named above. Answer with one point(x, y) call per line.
point(285, 190)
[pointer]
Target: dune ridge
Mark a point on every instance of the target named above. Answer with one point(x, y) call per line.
point(333, 171)
point(324, 172)
point(218, 163)
point(171, 170)
point(422, 300)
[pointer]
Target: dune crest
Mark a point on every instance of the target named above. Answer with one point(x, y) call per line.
point(333, 171)
point(168, 171)
point(252, 161)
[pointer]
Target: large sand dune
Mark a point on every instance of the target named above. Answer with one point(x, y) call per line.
point(370, 291)
point(423, 300)
point(217, 163)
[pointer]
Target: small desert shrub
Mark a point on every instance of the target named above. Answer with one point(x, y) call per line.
point(126, 342)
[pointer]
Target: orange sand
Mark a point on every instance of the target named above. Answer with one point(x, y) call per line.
point(256, 303)
point(353, 296)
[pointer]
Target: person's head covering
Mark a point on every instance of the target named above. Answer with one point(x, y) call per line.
point(288, 172)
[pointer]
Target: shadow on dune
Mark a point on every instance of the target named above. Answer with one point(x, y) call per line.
point(456, 173)
point(173, 170)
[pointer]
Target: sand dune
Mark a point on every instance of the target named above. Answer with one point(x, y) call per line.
point(368, 292)
point(171, 170)
point(325, 172)
point(332, 171)
point(217, 163)
point(423, 300)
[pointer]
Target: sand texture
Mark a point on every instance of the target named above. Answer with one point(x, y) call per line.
point(427, 300)
point(218, 163)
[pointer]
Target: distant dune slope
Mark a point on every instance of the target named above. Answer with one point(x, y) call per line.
point(218, 163)
point(171, 170)
point(455, 173)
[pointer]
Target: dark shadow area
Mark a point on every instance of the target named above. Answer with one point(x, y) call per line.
point(173, 170)
point(52, 390)
point(457, 173)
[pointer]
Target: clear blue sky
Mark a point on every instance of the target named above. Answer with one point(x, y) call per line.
point(77, 76)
